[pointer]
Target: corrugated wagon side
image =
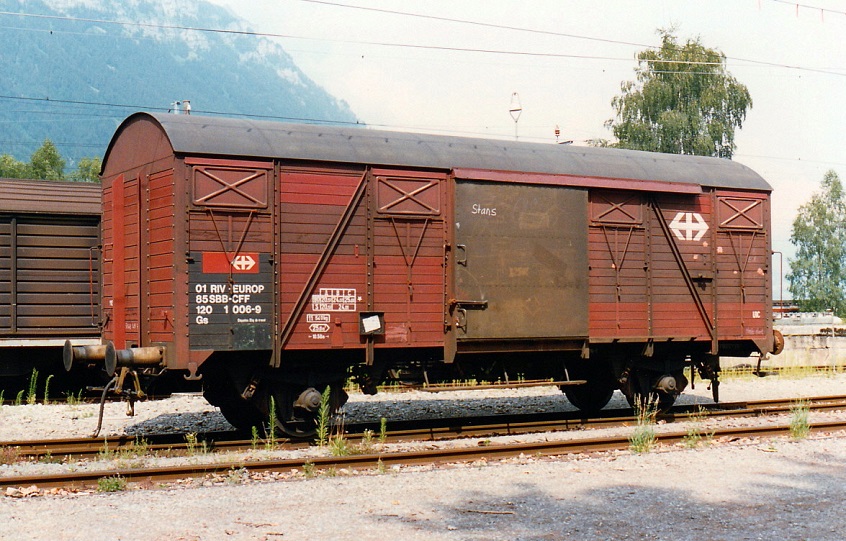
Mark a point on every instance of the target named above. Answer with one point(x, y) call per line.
point(276, 260)
point(49, 272)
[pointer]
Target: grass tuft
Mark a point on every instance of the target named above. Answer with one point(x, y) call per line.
point(74, 399)
point(694, 435)
point(643, 439)
point(115, 483)
point(800, 424)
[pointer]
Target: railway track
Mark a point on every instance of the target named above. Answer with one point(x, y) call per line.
point(451, 429)
point(381, 460)
point(401, 431)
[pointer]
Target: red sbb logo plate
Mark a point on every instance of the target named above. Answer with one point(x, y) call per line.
point(220, 263)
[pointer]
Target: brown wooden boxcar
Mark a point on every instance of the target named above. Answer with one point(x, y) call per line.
point(273, 259)
point(49, 272)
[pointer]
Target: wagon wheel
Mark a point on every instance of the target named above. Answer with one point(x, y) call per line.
point(639, 391)
point(238, 412)
point(241, 414)
point(297, 408)
point(292, 420)
point(596, 393)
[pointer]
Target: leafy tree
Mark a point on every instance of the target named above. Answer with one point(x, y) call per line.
point(818, 273)
point(683, 102)
point(12, 168)
point(46, 163)
point(88, 170)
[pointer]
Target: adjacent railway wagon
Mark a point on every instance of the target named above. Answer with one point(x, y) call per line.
point(49, 273)
point(273, 260)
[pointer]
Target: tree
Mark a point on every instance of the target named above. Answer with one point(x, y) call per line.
point(88, 170)
point(683, 102)
point(12, 168)
point(818, 273)
point(46, 163)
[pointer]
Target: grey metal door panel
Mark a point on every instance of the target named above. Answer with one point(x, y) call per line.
point(521, 261)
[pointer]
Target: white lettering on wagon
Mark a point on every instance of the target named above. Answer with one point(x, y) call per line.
point(331, 299)
point(484, 211)
point(689, 226)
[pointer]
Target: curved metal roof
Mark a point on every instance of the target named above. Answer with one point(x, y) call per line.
point(199, 135)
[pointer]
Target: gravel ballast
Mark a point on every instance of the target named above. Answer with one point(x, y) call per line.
point(747, 489)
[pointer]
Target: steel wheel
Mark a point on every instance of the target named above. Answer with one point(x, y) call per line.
point(596, 393)
point(640, 390)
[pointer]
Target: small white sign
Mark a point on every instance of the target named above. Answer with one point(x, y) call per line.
point(318, 327)
point(334, 299)
point(371, 323)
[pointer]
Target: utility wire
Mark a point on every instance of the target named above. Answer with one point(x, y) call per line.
point(408, 45)
point(575, 36)
point(168, 109)
point(477, 23)
point(805, 6)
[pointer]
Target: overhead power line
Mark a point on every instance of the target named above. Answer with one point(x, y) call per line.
point(136, 107)
point(563, 34)
point(411, 45)
point(477, 23)
point(798, 5)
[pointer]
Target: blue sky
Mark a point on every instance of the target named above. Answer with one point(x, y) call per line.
point(566, 60)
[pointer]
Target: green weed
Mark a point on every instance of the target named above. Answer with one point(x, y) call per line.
point(237, 476)
point(106, 453)
point(33, 386)
point(255, 439)
point(339, 446)
point(694, 435)
point(115, 483)
point(643, 439)
point(270, 443)
point(323, 418)
point(194, 446)
point(383, 430)
point(47, 389)
point(366, 445)
point(74, 399)
point(800, 425)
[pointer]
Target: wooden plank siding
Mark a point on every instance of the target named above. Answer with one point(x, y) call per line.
point(160, 256)
point(638, 291)
point(50, 287)
point(405, 250)
point(409, 281)
point(312, 202)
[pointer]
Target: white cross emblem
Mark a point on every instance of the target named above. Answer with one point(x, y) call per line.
point(689, 226)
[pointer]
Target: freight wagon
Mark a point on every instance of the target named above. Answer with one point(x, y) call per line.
point(274, 260)
point(49, 274)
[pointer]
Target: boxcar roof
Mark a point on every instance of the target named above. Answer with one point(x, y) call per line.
point(217, 136)
point(49, 197)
